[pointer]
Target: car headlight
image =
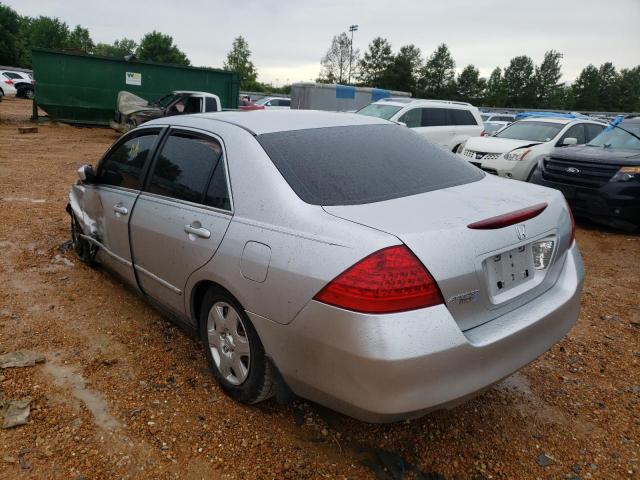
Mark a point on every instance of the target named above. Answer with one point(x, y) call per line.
point(517, 154)
point(626, 174)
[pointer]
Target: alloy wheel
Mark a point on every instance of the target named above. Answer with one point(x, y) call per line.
point(228, 342)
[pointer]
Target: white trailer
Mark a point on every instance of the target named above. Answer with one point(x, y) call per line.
point(337, 98)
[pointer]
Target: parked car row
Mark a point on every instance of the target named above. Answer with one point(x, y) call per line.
point(16, 83)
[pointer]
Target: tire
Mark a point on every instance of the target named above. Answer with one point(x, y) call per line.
point(29, 94)
point(83, 249)
point(231, 343)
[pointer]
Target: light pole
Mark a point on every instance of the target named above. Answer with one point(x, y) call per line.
point(352, 28)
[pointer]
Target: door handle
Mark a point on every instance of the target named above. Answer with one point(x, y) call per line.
point(118, 208)
point(197, 231)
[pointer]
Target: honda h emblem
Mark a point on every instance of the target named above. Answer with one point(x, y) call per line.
point(521, 231)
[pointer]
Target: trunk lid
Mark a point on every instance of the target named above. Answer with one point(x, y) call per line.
point(434, 225)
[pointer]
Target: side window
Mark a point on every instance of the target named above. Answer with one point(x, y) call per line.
point(413, 118)
point(211, 104)
point(285, 103)
point(577, 132)
point(270, 103)
point(193, 105)
point(218, 192)
point(178, 107)
point(435, 117)
point(184, 166)
point(593, 131)
point(463, 117)
point(124, 166)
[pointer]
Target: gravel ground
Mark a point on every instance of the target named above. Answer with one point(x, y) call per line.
point(126, 394)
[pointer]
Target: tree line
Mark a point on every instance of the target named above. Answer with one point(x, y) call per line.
point(522, 84)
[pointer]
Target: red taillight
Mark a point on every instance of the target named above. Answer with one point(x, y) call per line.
point(509, 218)
point(388, 281)
point(9, 82)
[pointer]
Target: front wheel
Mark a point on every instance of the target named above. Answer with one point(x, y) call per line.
point(84, 250)
point(233, 349)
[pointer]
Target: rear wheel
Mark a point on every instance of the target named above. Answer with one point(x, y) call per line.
point(233, 349)
point(29, 94)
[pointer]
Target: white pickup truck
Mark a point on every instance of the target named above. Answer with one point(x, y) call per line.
point(132, 110)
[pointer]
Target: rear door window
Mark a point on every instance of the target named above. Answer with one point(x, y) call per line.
point(463, 117)
point(211, 104)
point(124, 166)
point(184, 167)
point(435, 117)
point(359, 164)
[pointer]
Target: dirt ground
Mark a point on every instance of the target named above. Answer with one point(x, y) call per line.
point(125, 394)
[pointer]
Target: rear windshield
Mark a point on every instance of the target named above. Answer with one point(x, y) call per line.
point(379, 110)
point(531, 131)
point(363, 163)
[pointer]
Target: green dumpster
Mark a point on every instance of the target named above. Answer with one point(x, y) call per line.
point(82, 88)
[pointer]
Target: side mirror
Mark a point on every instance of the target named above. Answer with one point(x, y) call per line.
point(86, 174)
point(570, 141)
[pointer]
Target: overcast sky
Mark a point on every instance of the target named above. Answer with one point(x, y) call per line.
point(288, 37)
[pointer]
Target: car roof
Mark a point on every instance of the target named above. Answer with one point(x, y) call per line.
point(270, 121)
point(191, 92)
point(402, 102)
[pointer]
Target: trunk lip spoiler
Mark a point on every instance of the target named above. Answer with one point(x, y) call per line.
point(508, 219)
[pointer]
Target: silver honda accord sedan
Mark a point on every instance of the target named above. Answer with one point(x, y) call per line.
point(336, 256)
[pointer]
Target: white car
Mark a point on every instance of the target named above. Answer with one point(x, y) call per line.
point(7, 81)
point(447, 124)
point(498, 117)
point(514, 151)
point(273, 103)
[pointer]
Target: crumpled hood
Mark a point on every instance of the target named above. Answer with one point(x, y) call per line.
point(129, 103)
point(496, 145)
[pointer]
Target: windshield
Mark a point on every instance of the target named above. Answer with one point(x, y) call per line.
point(485, 116)
point(164, 101)
point(492, 127)
point(531, 131)
point(379, 110)
point(360, 164)
point(618, 138)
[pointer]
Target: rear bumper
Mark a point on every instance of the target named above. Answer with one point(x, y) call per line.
point(614, 202)
point(391, 367)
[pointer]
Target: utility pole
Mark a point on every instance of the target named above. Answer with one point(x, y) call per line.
point(352, 28)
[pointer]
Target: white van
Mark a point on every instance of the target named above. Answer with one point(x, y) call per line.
point(447, 124)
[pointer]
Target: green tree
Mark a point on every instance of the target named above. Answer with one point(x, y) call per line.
point(470, 86)
point(376, 62)
point(44, 32)
point(608, 92)
point(549, 90)
point(520, 82)
point(81, 39)
point(404, 71)
point(438, 74)
point(119, 48)
point(586, 89)
point(335, 64)
point(158, 47)
point(11, 46)
point(239, 60)
point(496, 91)
point(628, 87)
